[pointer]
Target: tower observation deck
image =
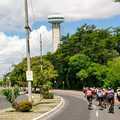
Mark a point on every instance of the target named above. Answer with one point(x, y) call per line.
point(55, 20)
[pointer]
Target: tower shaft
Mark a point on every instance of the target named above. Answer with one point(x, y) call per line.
point(55, 36)
point(55, 20)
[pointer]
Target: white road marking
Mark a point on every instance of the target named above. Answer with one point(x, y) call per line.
point(53, 111)
point(97, 114)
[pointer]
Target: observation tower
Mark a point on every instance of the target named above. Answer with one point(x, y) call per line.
point(56, 20)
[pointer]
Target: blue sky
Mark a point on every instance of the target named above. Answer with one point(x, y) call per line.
point(71, 26)
point(101, 23)
point(102, 13)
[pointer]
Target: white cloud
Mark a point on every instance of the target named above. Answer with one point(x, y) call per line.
point(12, 11)
point(11, 14)
point(13, 49)
point(46, 37)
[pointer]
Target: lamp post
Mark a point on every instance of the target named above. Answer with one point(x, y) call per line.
point(28, 73)
point(41, 61)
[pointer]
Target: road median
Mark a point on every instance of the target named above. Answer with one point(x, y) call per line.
point(44, 107)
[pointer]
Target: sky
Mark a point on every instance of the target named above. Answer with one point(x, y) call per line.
point(102, 13)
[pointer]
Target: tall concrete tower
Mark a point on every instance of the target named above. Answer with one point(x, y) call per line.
point(55, 20)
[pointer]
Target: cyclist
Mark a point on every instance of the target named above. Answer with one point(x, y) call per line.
point(84, 91)
point(100, 97)
point(89, 97)
point(118, 94)
point(110, 97)
point(104, 98)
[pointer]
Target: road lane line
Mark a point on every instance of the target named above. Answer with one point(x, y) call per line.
point(97, 114)
point(54, 110)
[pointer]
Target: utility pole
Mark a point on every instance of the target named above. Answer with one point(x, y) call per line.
point(41, 61)
point(28, 73)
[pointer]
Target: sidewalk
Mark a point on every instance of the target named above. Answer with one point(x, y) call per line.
point(38, 109)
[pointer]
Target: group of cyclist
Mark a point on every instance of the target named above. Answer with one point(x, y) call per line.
point(105, 97)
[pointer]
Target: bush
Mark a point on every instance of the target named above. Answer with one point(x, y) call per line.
point(48, 96)
point(45, 92)
point(16, 91)
point(8, 94)
point(23, 106)
point(11, 93)
point(1, 82)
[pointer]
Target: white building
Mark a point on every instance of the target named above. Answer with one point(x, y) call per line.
point(55, 20)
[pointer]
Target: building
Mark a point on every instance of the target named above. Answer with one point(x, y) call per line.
point(55, 20)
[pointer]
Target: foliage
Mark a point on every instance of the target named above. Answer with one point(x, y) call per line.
point(76, 64)
point(44, 76)
point(48, 96)
point(18, 74)
point(117, 0)
point(11, 93)
point(113, 73)
point(40, 76)
point(1, 82)
point(45, 92)
point(82, 59)
point(23, 106)
point(93, 75)
point(82, 74)
point(8, 93)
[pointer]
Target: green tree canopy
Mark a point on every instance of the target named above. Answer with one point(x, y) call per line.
point(82, 59)
point(84, 55)
point(40, 77)
point(113, 73)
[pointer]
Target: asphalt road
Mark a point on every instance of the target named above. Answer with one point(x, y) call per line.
point(75, 108)
point(4, 104)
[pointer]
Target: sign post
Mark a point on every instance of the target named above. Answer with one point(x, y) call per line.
point(29, 76)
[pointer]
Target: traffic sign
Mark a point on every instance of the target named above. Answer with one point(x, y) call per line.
point(29, 75)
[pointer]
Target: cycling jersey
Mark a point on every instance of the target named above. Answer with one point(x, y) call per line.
point(89, 93)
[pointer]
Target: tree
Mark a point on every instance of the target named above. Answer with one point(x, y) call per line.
point(80, 60)
point(40, 77)
point(18, 74)
point(88, 46)
point(113, 73)
point(77, 63)
point(117, 0)
point(93, 75)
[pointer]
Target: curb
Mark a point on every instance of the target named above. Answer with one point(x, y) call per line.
point(6, 109)
point(55, 109)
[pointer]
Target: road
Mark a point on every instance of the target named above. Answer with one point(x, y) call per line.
point(4, 104)
point(75, 108)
